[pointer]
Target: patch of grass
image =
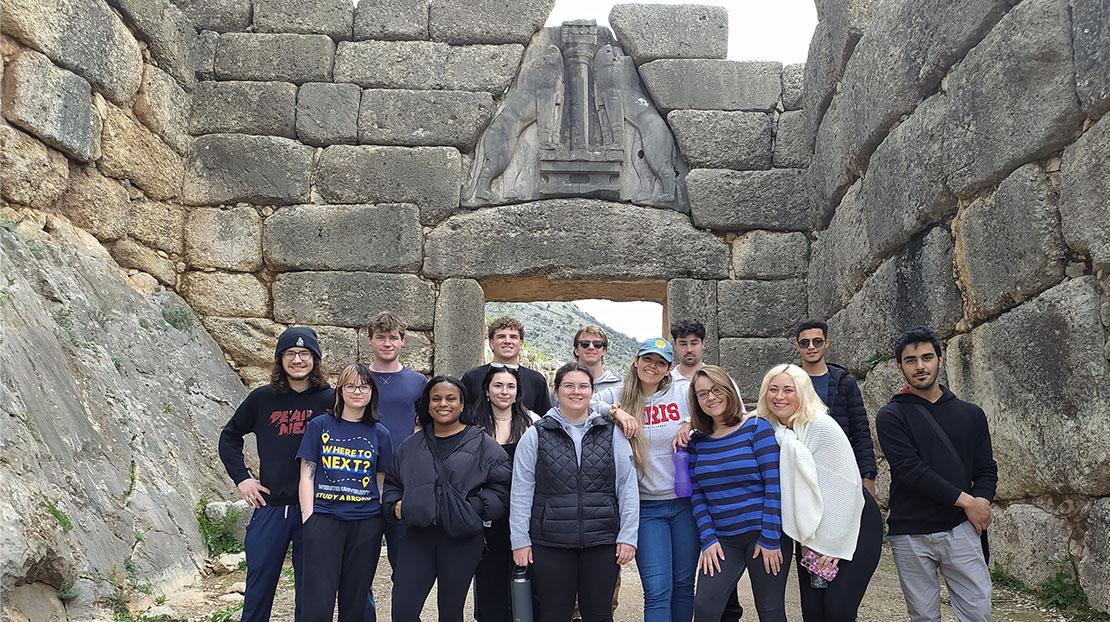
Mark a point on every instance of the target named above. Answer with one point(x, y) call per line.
point(69, 592)
point(877, 359)
point(180, 318)
point(7, 225)
point(63, 318)
point(218, 535)
point(167, 408)
point(1062, 590)
point(59, 516)
point(117, 362)
point(287, 573)
point(227, 614)
point(243, 565)
point(1001, 577)
point(143, 323)
point(160, 600)
point(144, 587)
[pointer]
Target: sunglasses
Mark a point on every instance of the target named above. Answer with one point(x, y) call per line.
point(504, 366)
point(816, 341)
point(596, 343)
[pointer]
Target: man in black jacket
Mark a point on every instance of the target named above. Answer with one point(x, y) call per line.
point(277, 414)
point(943, 477)
point(837, 388)
point(506, 339)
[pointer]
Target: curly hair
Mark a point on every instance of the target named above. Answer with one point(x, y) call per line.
point(503, 323)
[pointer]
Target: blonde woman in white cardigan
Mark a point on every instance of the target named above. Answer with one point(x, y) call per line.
point(825, 508)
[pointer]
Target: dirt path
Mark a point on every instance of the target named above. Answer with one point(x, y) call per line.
point(883, 602)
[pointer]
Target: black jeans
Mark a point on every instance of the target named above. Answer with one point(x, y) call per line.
point(341, 557)
point(561, 574)
point(429, 556)
point(769, 590)
point(839, 602)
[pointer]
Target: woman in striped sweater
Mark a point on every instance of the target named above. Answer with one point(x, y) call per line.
point(734, 466)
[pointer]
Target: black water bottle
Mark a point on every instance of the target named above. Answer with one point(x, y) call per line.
point(522, 595)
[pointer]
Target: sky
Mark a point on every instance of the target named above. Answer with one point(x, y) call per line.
point(758, 30)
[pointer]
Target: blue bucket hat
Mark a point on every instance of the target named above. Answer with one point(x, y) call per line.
point(657, 345)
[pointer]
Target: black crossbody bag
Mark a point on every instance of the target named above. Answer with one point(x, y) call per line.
point(454, 513)
point(952, 449)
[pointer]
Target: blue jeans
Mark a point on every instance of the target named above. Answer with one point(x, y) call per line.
point(667, 558)
point(269, 533)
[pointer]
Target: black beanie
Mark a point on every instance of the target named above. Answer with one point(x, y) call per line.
point(298, 337)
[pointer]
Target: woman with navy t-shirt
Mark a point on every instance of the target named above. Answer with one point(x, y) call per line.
point(343, 458)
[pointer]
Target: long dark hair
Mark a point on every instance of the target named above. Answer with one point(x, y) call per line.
point(483, 412)
point(279, 380)
point(357, 373)
point(423, 417)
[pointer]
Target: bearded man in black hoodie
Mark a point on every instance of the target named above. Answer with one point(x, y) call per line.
point(943, 477)
point(277, 415)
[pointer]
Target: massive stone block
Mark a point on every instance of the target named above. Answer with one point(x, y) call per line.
point(416, 118)
point(417, 354)
point(325, 17)
point(382, 238)
point(652, 31)
point(842, 257)
point(694, 299)
point(217, 15)
point(268, 56)
point(747, 360)
point(327, 114)
point(31, 173)
point(1055, 439)
point(929, 37)
point(769, 255)
point(267, 108)
point(224, 239)
point(248, 342)
point(225, 168)
point(168, 33)
point(1026, 539)
point(793, 84)
point(84, 36)
point(427, 65)
point(349, 298)
point(486, 21)
point(391, 20)
point(53, 104)
point(720, 139)
point(1019, 220)
point(1090, 28)
point(791, 147)
point(741, 200)
point(834, 39)
point(204, 54)
point(1084, 186)
point(97, 204)
point(907, 290)
point(996, 122)
point(225, 294)
point(760, 308)
point(160, 226)
point(559, 238)
point(130, 254)
point(426, 176)
point(130, 151)
point(1094, 575)
point(163, 106)
point(713, 84)
point(460, 326)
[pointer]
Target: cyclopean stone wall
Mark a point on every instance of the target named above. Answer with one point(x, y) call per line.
point(960, 179)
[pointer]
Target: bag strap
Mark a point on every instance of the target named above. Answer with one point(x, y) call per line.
point(940, 432)
point(430, 441)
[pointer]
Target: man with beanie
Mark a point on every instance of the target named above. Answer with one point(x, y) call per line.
point(277, 414)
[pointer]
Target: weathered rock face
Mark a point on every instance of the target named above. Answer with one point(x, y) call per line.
point(651, 32)
point(1024, 537)
point(106, 461)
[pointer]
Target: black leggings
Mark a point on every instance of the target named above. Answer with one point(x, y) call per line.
point(341, 556)
point(428, 555)
point(492, 599)
point(839, 602)
point(561, 574)
point(769, 590)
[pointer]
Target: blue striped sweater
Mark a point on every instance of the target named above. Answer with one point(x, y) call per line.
point(736, 484)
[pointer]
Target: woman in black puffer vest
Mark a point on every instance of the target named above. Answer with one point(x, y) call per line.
point(475, 466)
point(575, 503)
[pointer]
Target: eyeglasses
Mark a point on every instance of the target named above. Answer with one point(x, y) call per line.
point(356, 388)
point(715, 391)
point(581, 388)
point(816, 341)
point(596, 343)
point(299, 354)
point(504, 365)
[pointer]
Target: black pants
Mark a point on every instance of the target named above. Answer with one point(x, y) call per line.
point(492, 598)
point(839, 602)
point(341, 557)
point(428, 555)
point(562, 574)
point(769, 590)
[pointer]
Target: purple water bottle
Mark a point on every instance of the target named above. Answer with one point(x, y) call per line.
point(683, 487)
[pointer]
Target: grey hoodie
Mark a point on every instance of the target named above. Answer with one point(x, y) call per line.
point(524, 480)
point(664, 412)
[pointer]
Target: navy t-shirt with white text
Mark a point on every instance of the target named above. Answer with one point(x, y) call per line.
point(348, 457)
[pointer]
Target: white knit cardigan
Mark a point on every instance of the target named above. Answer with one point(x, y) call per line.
point(822, 493)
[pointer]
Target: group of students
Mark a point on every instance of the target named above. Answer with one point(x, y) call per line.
point(468, 479)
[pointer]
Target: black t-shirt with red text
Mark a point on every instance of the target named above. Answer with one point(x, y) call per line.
point(278, 421)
